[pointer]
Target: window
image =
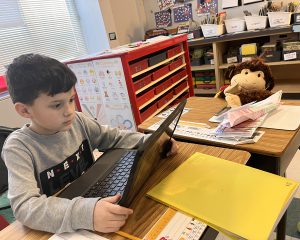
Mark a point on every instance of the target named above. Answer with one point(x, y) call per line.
point(49, 27)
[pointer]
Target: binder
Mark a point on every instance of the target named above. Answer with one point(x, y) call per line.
point(240, 201)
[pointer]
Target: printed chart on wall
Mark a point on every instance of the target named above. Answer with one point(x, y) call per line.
point(102, 92)
point(88, 90)
point(114, 93)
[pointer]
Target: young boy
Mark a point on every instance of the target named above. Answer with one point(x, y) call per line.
point(54, 149)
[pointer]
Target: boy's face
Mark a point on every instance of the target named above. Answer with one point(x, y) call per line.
point(51, 114)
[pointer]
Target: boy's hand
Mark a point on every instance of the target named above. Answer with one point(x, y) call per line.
point(174, 148)
point(108, 216)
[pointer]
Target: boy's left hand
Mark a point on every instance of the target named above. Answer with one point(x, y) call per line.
point(174, 148)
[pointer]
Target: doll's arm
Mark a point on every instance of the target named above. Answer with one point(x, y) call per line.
point(233, 88)
point(233, 100)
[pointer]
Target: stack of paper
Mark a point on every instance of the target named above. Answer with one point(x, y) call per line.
point(242, 122)
point(240, 201)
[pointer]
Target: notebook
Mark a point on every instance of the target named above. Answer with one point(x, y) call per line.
point(125, 169)
point(237, 200)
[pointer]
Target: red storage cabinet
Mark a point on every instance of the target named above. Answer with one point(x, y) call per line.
point(132, 82)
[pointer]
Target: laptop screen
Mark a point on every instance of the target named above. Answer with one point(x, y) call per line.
point(150, 154)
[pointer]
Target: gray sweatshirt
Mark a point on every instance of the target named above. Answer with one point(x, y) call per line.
point(40, 165)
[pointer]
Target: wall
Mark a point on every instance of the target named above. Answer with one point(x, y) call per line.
point(126, 18)
point(92, 25)
point(151, 6)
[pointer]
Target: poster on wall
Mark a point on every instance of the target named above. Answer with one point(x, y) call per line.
point(183, 13)
point(102, 92)
point(163, 19)
point(114, 93)
point(88, 90)
point(165, 4)
point(207, 7)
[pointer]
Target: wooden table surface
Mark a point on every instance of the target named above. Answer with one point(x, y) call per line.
point(146, 210)
point(273, 143)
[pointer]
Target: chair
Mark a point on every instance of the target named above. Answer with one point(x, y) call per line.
point(4, 204)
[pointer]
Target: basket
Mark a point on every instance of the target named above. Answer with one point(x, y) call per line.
point(235, 25)
point(279, 18)
point(256, 22)
point(212, 30)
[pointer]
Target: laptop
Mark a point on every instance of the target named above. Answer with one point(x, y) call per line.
point(125, 171)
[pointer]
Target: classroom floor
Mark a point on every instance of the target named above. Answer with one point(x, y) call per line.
point(293, 172)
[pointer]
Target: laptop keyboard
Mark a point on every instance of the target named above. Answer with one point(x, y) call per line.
point(116, 181)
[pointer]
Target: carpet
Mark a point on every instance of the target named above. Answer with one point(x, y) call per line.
point(293, 217)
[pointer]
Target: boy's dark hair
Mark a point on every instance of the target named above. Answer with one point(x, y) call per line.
point(32, 74)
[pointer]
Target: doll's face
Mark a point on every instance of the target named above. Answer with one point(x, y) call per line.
point(249, 80)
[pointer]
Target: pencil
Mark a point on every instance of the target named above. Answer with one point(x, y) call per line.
point(127, 235)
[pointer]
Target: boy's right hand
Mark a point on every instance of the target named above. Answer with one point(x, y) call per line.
point(108, 216)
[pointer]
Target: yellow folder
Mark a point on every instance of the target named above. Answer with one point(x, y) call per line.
point(240, 201)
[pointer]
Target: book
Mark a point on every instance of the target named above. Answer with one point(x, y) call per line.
point(237, 200)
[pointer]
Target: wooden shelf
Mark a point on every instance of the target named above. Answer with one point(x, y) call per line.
point(280, 63)
point(156, 65)
point(161, 93)
point(158, 80)
point(168, 103)
point(205, 91)
point(286, 88)
point(242, 35)
point(203, 67)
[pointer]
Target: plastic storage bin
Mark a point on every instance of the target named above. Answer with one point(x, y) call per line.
point(256, 22)
point(235, 25)
point(279, 18)
point(212, 30)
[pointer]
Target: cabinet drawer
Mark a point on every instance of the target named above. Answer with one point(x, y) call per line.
point(144, 81)
point(173, 51)
point(160, 72)
point(148, 112)
point(178, 76)
point(178, 100)
point(138, 66)
point(163, 86)
point(166, 98)
point(145, 97)
point(176, 64)
point(157, 58)
point(180, 87)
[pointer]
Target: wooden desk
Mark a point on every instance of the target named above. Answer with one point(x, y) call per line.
point(146, 210)
point(272, 153)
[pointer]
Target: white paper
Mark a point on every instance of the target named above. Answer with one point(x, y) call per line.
point(78, 235)
point(230, 3)
point(194, 132)
point(285, 117)
point(290, 56)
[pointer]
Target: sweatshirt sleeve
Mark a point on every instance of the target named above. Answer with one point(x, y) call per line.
point(104, 137)
point(36, 210)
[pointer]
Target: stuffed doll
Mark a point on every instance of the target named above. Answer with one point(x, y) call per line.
point(249, 81)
